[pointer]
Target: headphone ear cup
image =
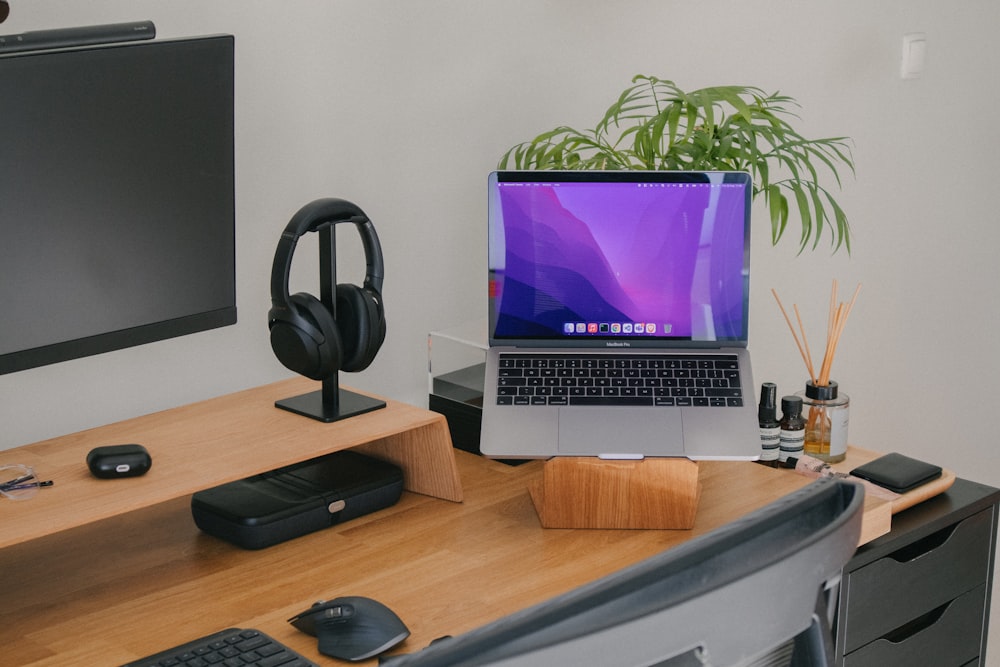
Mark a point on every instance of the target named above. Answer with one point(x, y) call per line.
point(297, 348)
point(361, 323)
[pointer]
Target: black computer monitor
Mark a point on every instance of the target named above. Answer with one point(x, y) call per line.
point(753, 588)
point(117, 215)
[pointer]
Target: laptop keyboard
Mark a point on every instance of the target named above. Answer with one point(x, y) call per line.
point(234, 647)
point(631, 380)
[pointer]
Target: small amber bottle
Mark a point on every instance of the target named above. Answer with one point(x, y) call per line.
point(793, 429)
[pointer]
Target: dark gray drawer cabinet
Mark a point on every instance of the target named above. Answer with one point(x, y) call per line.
point(920, 595)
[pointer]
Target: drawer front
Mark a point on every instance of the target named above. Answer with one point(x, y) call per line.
point(949, 636)
point(917, 578)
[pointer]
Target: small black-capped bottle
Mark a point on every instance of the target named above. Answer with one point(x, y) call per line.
point(770, 428)
point(792, 429)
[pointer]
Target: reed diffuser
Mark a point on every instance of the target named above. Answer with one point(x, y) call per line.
point(827, 407)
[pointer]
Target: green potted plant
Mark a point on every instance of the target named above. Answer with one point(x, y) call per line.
point(656, 125)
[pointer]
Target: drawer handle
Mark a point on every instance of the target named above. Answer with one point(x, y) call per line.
point(920, 623)
point(924, 545)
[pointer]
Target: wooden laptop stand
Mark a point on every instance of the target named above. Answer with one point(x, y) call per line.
point(585, 492)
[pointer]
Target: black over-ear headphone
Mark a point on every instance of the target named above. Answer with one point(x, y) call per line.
point(305, 336)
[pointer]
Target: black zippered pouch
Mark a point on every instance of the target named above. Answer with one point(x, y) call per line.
point(301, 498)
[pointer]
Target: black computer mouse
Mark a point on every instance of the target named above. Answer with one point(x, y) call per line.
point(351, 628)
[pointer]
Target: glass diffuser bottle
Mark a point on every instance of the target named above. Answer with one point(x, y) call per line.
point(827, 413)
point(826, 409)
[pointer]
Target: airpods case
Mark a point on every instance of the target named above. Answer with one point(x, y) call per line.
point(115, 461)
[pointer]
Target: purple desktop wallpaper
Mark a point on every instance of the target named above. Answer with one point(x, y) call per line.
point(619, 259)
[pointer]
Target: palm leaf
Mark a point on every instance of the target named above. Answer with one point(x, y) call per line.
point(653, 124)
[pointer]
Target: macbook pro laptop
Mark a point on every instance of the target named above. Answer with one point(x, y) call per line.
point(618, 316)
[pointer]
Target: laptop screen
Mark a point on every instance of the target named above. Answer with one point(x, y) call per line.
point(619, 258)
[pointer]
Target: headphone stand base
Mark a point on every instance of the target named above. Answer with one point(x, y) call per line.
point(347, 404)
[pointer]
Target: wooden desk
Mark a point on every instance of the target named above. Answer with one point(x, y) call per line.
point(104, 590)
point(116, 589)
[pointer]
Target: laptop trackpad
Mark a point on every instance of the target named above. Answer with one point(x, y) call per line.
point(622, 431)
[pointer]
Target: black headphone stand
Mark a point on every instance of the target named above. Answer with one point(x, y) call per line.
point(331, 403)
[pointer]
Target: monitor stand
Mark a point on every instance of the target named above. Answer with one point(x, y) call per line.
point(331, 403)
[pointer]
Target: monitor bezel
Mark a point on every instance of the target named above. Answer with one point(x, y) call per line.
point(198, 320)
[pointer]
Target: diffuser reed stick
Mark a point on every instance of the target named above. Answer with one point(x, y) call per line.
point(805, 357)
point(835, 328)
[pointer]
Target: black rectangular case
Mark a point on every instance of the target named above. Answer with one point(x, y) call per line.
point(285, 503)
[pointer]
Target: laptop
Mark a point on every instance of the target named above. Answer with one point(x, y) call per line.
point(618, 316)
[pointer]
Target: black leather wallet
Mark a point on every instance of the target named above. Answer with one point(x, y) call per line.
point(897, 472)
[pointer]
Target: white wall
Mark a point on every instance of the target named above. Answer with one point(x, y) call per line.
point(403, 107)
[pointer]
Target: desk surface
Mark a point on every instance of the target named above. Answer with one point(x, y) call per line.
point(126, 586)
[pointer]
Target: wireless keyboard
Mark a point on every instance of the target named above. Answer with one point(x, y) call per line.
point(234, 647)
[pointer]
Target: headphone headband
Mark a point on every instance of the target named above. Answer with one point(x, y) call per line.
point(312, 217)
